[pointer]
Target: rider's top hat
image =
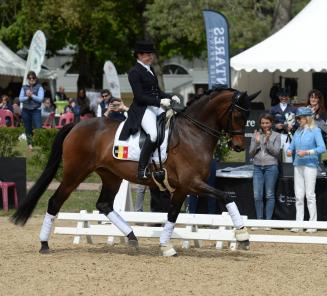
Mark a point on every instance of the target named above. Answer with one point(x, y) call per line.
point(144, 46)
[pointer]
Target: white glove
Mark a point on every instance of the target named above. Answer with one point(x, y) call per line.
point(165, 102)
point(176, 99)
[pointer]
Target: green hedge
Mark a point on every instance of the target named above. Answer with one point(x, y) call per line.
point(9, 138)
point(42, 142)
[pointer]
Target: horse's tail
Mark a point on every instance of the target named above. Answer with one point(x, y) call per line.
point(29, 203)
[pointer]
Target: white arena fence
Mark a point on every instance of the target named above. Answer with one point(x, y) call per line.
point(194, 227)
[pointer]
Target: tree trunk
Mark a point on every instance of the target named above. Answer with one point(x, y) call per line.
point(282, 15)
point(158, 70)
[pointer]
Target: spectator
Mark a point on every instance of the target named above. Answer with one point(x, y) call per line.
point(212, 203)
point(47, 92)
point(316, 104)
point(31, 96)
point(46, 109)
point(305, 148)
point(104, 102)
point(72, 107)
point(5, 104)
point(116, 110)
point(61, 95)
point(140, 193)
point(284, 120)
point(265, 149)
point(84, 103)
point(16, 111)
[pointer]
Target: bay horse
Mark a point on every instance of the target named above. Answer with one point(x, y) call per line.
point(87, 147)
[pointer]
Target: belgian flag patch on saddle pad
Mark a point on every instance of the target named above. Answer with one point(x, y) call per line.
point(121, 152)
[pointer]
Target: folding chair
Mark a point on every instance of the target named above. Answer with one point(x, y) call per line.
point(6, 118)
point(50, 121)
point(65, 118)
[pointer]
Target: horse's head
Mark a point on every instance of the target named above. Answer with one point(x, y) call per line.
point(233, 108)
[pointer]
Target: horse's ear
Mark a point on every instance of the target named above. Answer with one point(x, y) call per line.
point(253, 96)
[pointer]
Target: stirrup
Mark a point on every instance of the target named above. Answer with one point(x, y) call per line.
point(143, 175)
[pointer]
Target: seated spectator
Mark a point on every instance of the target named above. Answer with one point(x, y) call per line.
point(17, 111)
point(60, 94)
point(84, 103)
point(104, 102)
point(264, 149)
point(5, 104)
point(307, 144)
point(46, 109)
point(72, 107)
point(116, 110)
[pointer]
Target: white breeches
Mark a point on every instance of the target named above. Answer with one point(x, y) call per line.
point(304, 185)
point(149, 121)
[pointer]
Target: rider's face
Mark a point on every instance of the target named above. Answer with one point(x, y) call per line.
point(146, 58)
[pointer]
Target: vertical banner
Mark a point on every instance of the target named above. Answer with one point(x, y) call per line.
point(218, 48)
point(36, 54)
point(112, 79)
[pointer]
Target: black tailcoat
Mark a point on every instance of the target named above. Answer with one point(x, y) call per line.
point(146, 93)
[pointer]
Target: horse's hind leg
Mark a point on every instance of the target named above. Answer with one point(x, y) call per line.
point(111, 184)
point(69, 183)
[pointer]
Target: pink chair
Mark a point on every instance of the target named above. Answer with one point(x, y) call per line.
point(4, 115)
point(4, 190)
point(50, 121)
point(65, 119)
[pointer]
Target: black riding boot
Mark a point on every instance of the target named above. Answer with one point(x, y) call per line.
point(146, 151)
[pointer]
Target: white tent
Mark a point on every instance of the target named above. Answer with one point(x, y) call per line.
point(296, 51)
point(13, 65)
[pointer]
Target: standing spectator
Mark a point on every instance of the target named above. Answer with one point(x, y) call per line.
point(140, 193)
point(283, 114)
point(116, 110)
point(31, 95)
point(61, 95)
point(306, 146)
point(316, 104)
point(265, 149)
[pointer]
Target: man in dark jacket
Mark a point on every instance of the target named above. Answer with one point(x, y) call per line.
point(147, 102)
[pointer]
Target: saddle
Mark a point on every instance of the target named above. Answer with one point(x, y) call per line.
point(130, 149)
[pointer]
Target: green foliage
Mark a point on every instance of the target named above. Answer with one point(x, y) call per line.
point(222, 150)
point(8, 141)
point(42, 142)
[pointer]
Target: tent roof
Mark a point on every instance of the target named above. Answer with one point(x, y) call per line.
point(13, 65)
point(300, 45)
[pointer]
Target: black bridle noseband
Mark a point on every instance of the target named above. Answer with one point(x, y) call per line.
point(229, 130)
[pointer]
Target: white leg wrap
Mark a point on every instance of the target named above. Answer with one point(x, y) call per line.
point(119, 222)
point(166, 233)
point(46, 227)
point(235, 215)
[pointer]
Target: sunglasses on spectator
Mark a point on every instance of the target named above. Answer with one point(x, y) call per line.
point(31, 78)
point(104, 96)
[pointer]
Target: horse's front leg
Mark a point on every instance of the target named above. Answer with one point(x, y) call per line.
point(241, 233)
point(166, 247)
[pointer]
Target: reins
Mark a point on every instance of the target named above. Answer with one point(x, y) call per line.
point(211, 131)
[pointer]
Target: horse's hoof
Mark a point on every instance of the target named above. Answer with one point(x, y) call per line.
point(133, 244)
point(244, 245)
point(242, 235)
point(44, 248)
point(168, 250)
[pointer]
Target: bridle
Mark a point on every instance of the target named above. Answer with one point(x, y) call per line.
point(229, 130)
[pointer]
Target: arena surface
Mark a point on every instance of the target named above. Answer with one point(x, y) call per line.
point(99, 269)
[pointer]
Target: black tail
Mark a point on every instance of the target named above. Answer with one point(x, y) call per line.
point(26, 208)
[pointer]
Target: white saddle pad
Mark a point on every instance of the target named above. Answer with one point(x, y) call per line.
point(130, 149)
